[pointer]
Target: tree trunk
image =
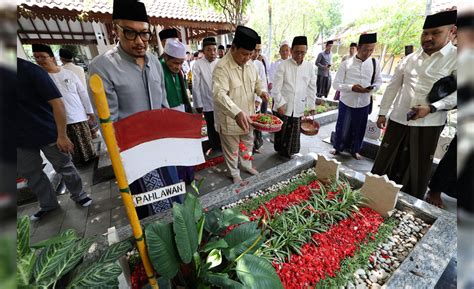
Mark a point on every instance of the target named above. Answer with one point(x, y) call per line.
point(269, 49)
point(382, 56)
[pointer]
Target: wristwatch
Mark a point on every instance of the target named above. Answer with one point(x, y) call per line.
point(432, 108)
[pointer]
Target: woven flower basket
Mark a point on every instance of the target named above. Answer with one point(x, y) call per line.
point(309, 126)
point(274, 126)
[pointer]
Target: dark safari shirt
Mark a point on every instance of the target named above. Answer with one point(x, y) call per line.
point(34, 116)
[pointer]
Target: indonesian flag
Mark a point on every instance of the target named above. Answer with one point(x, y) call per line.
point(158, 138)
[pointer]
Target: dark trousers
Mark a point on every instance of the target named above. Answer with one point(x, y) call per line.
point(323, 84)
point(445, 177)
point(30, 166)
point(212, 134)
point(406, 156)
point(350, 128)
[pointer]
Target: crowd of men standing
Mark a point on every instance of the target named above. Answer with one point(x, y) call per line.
point(230, 86)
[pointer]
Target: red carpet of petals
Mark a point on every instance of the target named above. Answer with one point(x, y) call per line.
point(316, 262)
point(283, 202)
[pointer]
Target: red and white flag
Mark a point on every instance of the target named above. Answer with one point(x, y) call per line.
point(158, 138)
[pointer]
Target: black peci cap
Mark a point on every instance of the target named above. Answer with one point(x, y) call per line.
point(245, 37)
point(42, 48)
point(299, 40)
point(168, 33)
point(208, 41)
point(440, 19)
point(368, 38)
point(64, 53)
point(129, 10)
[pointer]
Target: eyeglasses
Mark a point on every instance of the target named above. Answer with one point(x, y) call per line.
point(41, 57)
point(132, 34)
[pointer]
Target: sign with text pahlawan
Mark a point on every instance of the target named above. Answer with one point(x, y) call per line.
point(159, 194)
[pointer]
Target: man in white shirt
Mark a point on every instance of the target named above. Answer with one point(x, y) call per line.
point(294, 90)
point(202, 88)
point(76, 101)
point(260, 106)
point(285, 53)
point(356, 80)
point(66, 58)
point(414, 126)
point(352, 52)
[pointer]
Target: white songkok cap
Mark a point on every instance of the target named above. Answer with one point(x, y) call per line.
point(284, 42)
point(175, 48)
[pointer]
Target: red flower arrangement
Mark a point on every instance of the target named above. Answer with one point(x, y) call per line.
point(322, 257)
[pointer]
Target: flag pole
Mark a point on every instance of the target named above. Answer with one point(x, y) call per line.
point(109, 136)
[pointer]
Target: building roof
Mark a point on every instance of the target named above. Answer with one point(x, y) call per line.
point(70, 21)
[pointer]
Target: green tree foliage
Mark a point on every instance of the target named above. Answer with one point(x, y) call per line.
point(313, 18)
point(398, 23)
point(233, 10)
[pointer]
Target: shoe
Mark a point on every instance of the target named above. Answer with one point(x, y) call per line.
point(236, 179)
point(86, 202)
point(40, 214)
point(252, 171)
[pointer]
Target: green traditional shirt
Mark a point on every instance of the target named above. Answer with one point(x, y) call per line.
point(174, 93)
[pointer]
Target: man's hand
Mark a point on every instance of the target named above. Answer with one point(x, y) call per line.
point(265, 96)
point(243, 120)
point(270, 85)
point(64, 144)
point(281, 110)
point(421, 111)
point(381, 122)
point(360, 89)
point(199, 109)
point(91, 119)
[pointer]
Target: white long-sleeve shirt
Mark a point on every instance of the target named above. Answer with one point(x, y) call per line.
point(412, 81)
point(263, 77)
point(295, 87)
point(75, 97)
point(202, 84)
point(78, 71)
point(355, 71)
point(273, 70)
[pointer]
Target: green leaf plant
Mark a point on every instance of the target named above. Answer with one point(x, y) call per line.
point(48, 262)
point(195, 251)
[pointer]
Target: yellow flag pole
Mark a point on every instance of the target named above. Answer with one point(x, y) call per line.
point(109, 136)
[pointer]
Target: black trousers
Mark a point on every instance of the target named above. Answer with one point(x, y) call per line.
point(212, 134)
point(445, 177)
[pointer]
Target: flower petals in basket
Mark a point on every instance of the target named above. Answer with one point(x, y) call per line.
point(266, 122)
point(309, 126)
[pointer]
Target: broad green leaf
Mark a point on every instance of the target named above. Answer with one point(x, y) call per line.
point(222, 280)
point(219, 244)
point(215, 258)
point(63, 237)
point(115, 251)
point(24, 269)
point(96, 276)
point(212, 221)
point(162, 249)
point(200, 228)
point(186, 235)
point(72, 257)
point(257, 273)
point(23, 237)
point(232, 217)
point(192, 204)
point(240, 239)
point(50, 259)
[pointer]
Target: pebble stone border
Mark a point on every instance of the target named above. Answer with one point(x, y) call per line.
point(389, 255)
